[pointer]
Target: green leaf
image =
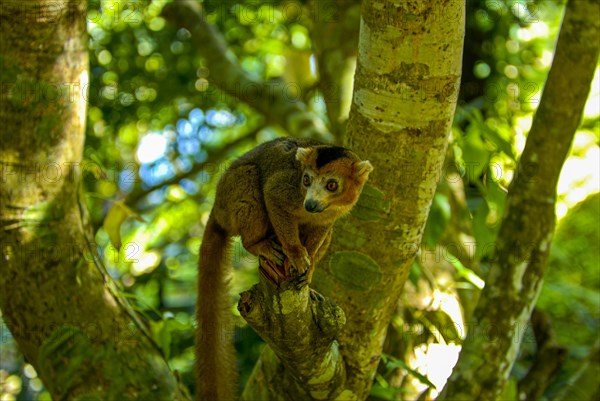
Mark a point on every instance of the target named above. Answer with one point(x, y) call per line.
point(496, 196)
point(385, 393)
point(438, 219)
point(117, 214)
point(415, 272)
point(392, 362)
point(439, 323)
point(466, 273)
point(511, 390)
point(161, 332)
point(474, 153)
point(475, 117)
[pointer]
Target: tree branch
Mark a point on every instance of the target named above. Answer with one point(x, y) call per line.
point(214, 157)
point(335, 35)
point(269, 98)
point(515, 278)
point(300, 328)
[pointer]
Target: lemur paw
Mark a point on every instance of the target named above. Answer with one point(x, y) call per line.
point(298, 258)
point(315, 295)
point(276, 254)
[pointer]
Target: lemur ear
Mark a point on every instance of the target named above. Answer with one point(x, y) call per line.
point(362, 170)
point(303, 155)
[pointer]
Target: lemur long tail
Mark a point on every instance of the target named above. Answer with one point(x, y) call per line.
point(215, 367)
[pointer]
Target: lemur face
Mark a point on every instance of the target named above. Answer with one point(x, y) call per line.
point(332, 178)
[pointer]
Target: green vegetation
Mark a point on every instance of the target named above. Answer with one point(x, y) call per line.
point(159, 133)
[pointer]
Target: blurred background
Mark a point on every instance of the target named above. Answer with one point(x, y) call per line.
point(159, 133)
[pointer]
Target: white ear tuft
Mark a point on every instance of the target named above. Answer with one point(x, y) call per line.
point(364, 168)
point(303, 154)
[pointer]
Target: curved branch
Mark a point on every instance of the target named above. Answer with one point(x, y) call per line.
point(269, 98)
point(214, 157)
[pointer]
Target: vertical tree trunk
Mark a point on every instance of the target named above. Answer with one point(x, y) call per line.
point(523, 244)
point(405, 93)
point(80, 337)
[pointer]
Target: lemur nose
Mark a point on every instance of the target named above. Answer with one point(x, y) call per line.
point(311, 206)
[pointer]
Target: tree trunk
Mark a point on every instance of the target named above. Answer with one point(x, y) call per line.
point(60, 307)
point(515, 279)
point(405, 93)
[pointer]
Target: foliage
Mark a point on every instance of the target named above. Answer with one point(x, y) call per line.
point(570, 295)
point(154, 114)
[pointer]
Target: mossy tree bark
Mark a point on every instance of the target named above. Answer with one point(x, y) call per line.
point(523, 244)
point(69, 323)
point(302, 360)
point(405, 92)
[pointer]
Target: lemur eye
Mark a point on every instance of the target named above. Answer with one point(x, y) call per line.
point(306, 180)
point(332, 185)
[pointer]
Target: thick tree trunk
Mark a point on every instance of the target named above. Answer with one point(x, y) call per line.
point(62, 311)
point(523, 244)
point(405, 92)
point(405, 95)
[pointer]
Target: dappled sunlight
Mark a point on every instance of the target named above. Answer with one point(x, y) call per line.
point(151, 148)
point(580, 176)
point(436, 359)
point(147, 262)
point(166, 117)
point(436, 362)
